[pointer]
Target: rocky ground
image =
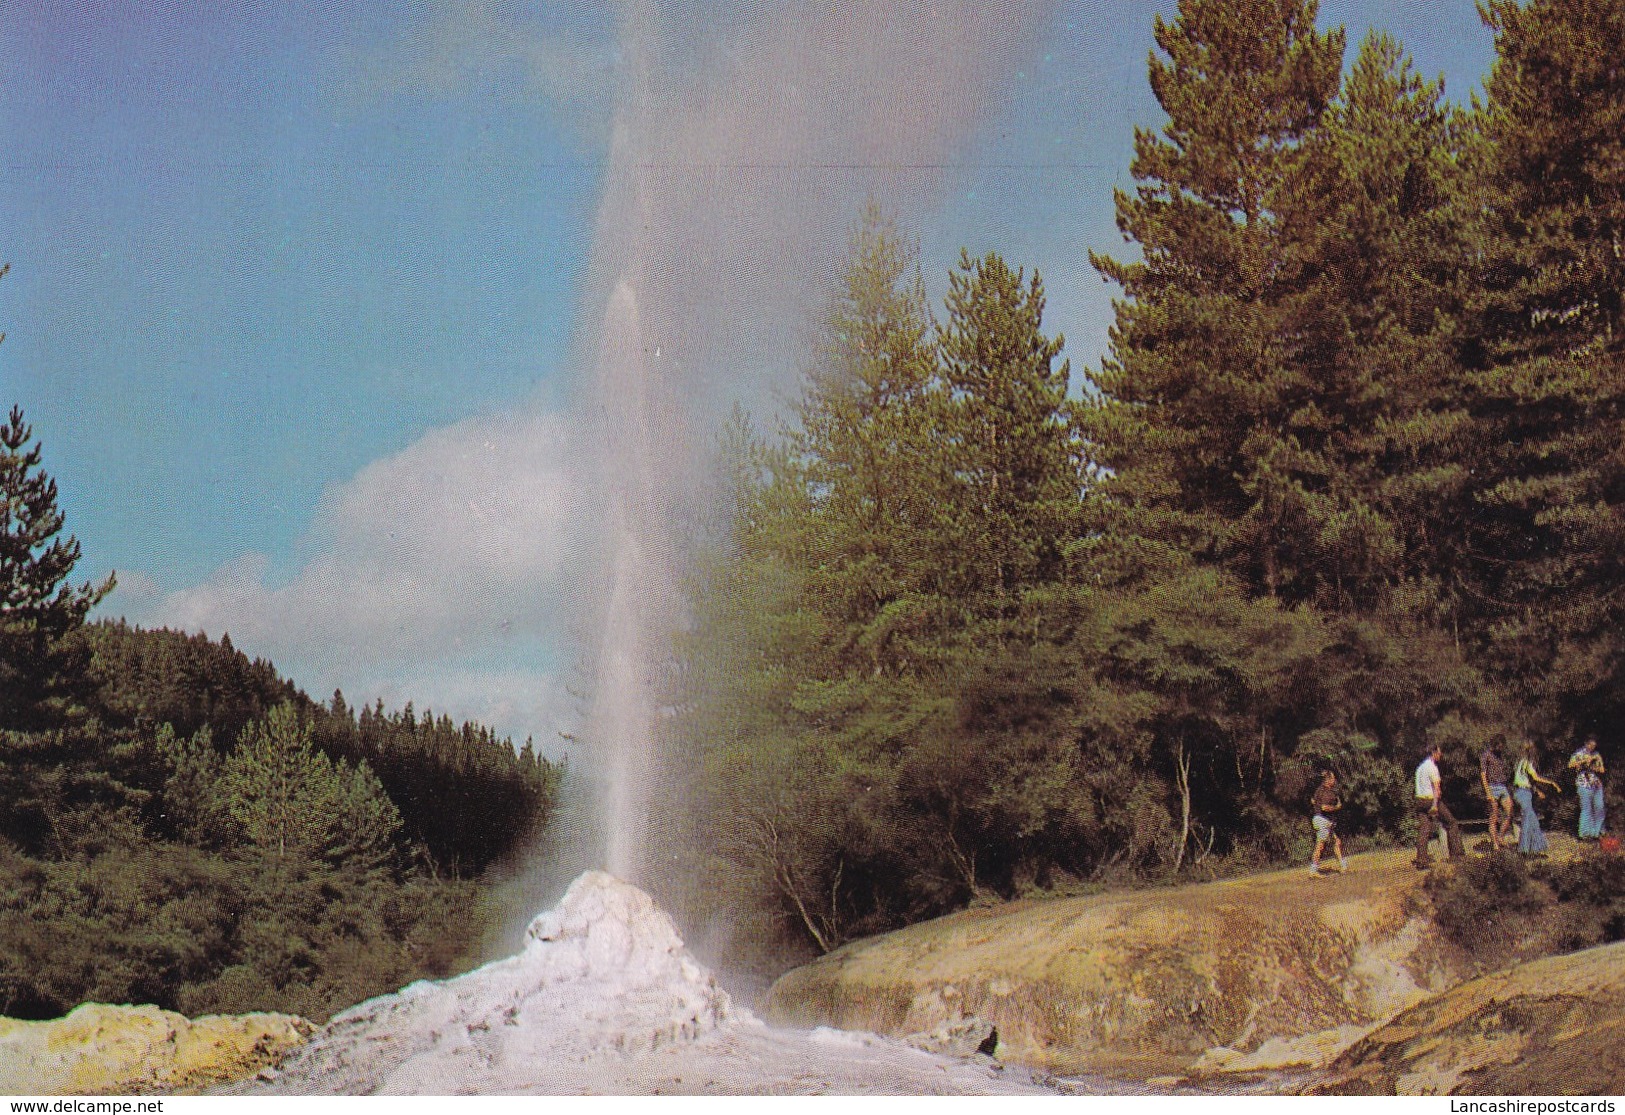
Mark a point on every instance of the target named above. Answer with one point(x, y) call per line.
point(100, 1049)
point(1268, 971)
point(1275, 982)
point(1550, 1027)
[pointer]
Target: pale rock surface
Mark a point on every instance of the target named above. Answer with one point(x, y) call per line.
point(1554, 1026)
point(1304, 1051)
point(1269, 971)
point(98, 1049)
point(603, 998)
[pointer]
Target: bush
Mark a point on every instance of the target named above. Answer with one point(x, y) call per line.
point(1501, 910)
point(1592, 877)
point(124, 927)
point(1592, 887)
point(1483, 902)
point(195, 931)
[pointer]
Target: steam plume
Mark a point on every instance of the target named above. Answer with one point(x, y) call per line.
point(737, 165)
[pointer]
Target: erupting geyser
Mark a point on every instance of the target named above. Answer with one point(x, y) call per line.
point(603, 972)
point(743, 149)
point(622, 722)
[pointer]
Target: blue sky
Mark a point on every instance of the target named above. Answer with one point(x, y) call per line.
point(275, 264)
point(245, 265)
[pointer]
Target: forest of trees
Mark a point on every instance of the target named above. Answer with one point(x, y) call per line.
point(184, 827)
point(1350, 480)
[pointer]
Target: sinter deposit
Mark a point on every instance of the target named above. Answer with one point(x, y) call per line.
point(603, 998)
point(1553, 1027)
point(97, 1049)
point(1268, 971)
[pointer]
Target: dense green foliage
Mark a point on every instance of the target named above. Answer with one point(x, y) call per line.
point(1348, 483)
point(464, 796)
point(37, 605)
point(1541, 371)
point(1500, 909)
point(185, 827)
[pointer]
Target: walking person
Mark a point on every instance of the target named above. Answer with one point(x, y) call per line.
point(1526, 787)
point(1492, 775)
point(1326, 805)
point(1431, 809)
point(1588, 771)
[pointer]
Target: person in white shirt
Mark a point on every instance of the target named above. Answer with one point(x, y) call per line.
point(1431, 809)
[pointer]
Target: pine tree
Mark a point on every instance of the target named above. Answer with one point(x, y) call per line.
point(195, 809)
point(820, 611)
point(1374, 250)
point(292, 800)
point(1016, 469)
point(1193, 421)
point(38, 608)
point(1545, 364)
point(930, 481)
point(861, 450)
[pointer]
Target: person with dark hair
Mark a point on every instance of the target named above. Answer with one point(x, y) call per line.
point(1588, 771)
point(1326, 805)
point(1431, 809)
point(1492, 775)
point(1526, 783)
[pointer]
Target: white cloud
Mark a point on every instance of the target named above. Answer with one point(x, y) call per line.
point(428, 566)
point(134, 590)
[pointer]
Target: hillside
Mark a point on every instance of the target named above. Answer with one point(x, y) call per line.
point(186, 828)
point(466, 796)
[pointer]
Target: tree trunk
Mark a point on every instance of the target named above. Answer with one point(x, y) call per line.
point(1183, 763)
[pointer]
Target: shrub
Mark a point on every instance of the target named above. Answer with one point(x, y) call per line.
point(1592, 890)
point(1592, 878)
point(1482, 902)
point(1501, 910)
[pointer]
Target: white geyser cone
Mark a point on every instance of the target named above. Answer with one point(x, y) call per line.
point(604, 972)
point(603, 998)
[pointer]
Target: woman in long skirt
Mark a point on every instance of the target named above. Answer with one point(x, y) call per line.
point(1526, 783)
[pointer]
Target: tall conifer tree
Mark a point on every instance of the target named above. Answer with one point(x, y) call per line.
point(1375, 253)
point(1193, 417)
point(1545, 368)
point(37, 604)
point(862, 442)
point(1015, 460)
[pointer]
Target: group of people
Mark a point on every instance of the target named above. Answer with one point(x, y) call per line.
point(1432, 813)
point(1587, 765)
